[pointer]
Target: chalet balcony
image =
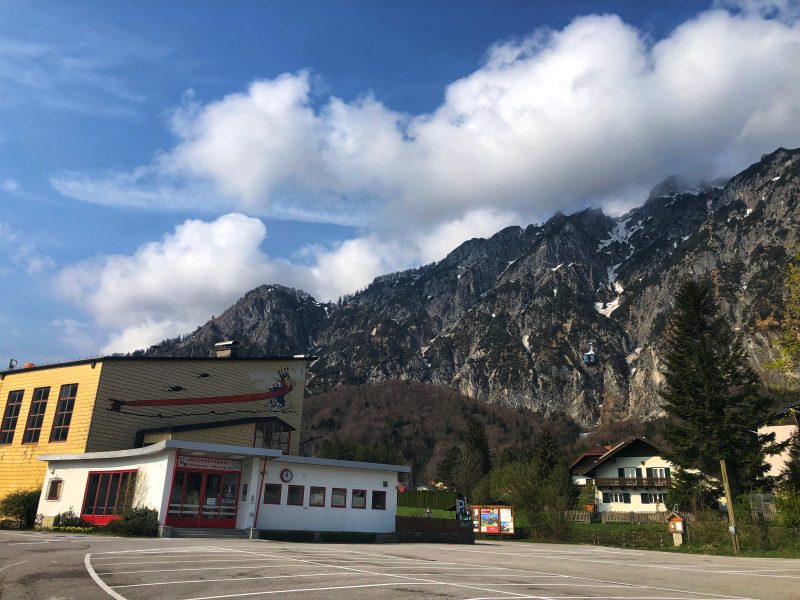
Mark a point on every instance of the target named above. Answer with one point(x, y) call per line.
point(632, 482)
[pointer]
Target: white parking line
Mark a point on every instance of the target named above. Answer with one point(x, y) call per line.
point(673, 567)
point(267, 565)
point(87, 561)
point(13, 565)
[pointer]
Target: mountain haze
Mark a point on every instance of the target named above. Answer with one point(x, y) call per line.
point(507, 319)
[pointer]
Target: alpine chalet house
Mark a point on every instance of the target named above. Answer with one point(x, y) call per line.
point(631, 477)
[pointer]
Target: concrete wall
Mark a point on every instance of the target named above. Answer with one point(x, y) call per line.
point(327, 518)
point(152, 482)
point(611, 470)
point(19, 468)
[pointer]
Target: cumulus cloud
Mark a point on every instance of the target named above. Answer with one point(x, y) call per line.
point(168, 287)
point(556, 120)
point(593, 114)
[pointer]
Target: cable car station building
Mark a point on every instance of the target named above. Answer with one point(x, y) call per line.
point(208, 442)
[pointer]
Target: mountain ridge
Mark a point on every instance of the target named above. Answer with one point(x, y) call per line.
point(506, 319)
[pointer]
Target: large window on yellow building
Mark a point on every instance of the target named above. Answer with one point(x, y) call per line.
point(10, 416)
point(33, 426)
point(66, 403)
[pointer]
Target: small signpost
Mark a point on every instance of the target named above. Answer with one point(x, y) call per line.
point(677, 527)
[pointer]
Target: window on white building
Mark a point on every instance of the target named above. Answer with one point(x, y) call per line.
point(654, 498)
point(623, 497)
point(658, 472)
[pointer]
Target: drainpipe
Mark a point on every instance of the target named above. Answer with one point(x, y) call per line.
point(260, 490)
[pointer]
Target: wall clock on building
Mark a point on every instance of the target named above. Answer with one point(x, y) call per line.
point(286, 475)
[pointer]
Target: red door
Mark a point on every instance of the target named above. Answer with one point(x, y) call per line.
point(203, 499)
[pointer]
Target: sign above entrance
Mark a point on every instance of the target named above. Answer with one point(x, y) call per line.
point(211, 464)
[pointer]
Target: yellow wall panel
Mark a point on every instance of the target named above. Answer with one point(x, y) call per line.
point(19, 468)
point(235, 435)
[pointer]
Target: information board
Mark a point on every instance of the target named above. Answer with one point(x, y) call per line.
point(493, 520)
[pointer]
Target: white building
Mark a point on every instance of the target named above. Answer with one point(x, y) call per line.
point(203, 485)
point(631, 477)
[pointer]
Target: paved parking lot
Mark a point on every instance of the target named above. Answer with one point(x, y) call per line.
point(125, 569)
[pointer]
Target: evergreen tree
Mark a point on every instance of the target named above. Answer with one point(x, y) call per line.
point(546, 453)
point(790, 336)
point(444, 470)
point(790, 477)
point(713, 395)
point(475, 439)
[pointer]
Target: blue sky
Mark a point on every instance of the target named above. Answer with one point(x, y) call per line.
point(157, 160)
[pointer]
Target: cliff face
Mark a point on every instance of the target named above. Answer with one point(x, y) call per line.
point(507, 319)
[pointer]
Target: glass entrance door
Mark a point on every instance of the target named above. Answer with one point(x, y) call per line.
point(203, 499)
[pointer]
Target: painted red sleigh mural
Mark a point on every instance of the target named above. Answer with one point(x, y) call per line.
point(276, 396)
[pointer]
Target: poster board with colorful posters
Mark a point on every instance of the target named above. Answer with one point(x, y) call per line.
point(493, 520)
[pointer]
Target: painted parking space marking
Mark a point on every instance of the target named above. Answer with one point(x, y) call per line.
point(369, 571)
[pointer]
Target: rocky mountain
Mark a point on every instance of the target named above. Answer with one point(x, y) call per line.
point(507, 319)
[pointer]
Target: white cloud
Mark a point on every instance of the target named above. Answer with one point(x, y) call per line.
point(169, 287)
point(557, 120)
point(594, 113)
point(10, 186)
point(22, 254)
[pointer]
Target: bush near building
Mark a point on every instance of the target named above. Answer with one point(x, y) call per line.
point(21, 506)
point(136, 522)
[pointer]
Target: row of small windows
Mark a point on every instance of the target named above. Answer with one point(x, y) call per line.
point(33, 425)
point(625, 497)
point(295, 496)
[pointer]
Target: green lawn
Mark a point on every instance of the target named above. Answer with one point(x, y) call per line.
point(411, 511)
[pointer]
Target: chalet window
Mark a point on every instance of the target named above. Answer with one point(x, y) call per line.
point(658, 472)
point(109, 493)
point(316, 496)
point(296, 495)
point(10, 416)
point(629, 472)
point(339, 497)
point(66, 403)
point(654, 498)
point(379, 500)
point(359, 499)
point(33, 426)
point(54, 489)
point(273, 434)
point(623, 497)
point(272, 493)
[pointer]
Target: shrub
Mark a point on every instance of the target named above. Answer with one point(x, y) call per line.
point(788, 504)
point(69, 519)
point(142, 521)
point(21, 505)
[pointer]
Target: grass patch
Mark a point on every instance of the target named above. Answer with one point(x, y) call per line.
point(412, 511)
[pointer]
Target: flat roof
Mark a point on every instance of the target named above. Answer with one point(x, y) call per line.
point(349, 464)
point(226, 450)
point(84, 361)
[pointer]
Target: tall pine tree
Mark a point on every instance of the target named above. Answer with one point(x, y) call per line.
point(713, 395)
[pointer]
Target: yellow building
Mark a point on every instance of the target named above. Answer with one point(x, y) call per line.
point(118, 403)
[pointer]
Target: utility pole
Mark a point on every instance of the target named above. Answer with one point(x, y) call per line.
point(729, 502)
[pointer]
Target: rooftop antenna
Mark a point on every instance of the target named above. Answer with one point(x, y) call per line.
point(12, 363)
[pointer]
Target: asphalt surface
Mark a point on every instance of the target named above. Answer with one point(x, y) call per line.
point(61, 567)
